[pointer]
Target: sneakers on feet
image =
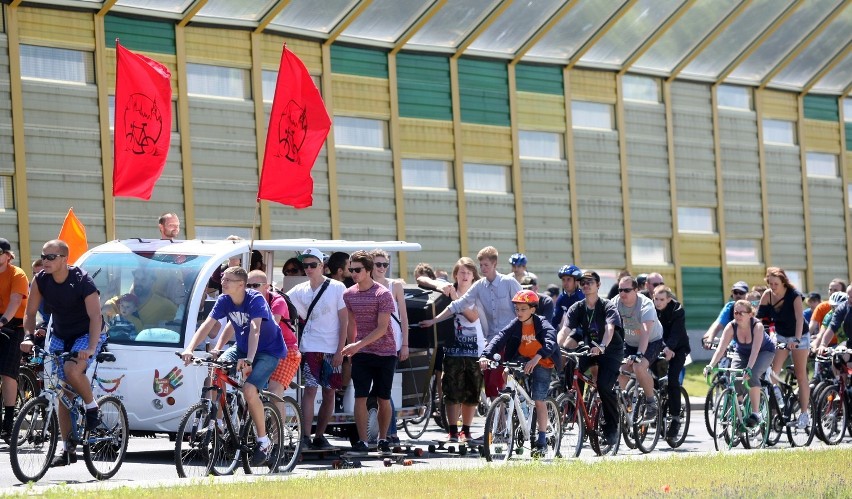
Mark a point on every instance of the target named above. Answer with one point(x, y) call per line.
point(804, 421)
point(307, 444)
point(650, 411)
point(260, 455)
point(464, 436)
point(611, 437)
point(673, 429)
point(384, 447)
point(452, 438)
point(753, 420)
point(322, 443)
point(64, 459)
point(393, 440)
point(93, 419)
point(6, 436)
point(359, 447)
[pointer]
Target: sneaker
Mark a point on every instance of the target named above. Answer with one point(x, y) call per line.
point(6, 436)
point(452, 438)
point(359, 447)
point(673, 429)
point(650, 412)
point(539, 450)
point(93, 419)
point(64, 459)
point(754, 419)
point(804, 421)
point(611, 437)
point(393, 440)
point(322, 443)
point(307, 444)
point(384, 447)
point(260, 456)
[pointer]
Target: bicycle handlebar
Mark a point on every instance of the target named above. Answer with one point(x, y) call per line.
point(198, 361)
point(737, 375)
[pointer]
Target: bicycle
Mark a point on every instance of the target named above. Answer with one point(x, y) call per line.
point(510, 423)
point(834, 402)
point(28, 380)
point(729, 426)
point(638, 431)
point(717, 384)
point(207, 442)
point(581, 415)
point(661, 385)
point(35, 433)
point(784, 413)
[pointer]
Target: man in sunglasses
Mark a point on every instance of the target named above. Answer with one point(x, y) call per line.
point(323, 335)
point(738, 292)
point(14, 288)
point(70, 295)
point(371, 346)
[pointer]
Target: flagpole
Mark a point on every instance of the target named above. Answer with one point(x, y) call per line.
point(254, 225)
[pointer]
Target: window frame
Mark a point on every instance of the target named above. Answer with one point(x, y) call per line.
point(683, 214)
point(468, 180)
point(209, 80)
point(767, 140)
point(538, 136)
point(418, 183)
point(812, 158)
point(341, 126)
point(664, 248)
point(635, 88)
point(84, 68)
point(575, 111)
point(726, 94)
point(757, 251)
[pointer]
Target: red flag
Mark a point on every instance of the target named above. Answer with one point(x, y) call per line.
point(74, 234)
point(298, 126)
point(143, 123)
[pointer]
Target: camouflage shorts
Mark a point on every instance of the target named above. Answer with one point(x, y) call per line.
point(462, 381)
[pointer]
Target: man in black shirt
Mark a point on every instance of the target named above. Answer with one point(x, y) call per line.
point(596, 322)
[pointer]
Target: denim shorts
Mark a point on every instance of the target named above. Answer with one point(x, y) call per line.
point(540, 382)
point(261, 368)
point(804, 343)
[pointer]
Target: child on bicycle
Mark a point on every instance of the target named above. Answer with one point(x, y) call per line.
point(755, 351)
point(529, 337)
point(258, 348)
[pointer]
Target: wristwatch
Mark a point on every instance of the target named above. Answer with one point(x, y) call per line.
point(640, 354)
point(247, 362)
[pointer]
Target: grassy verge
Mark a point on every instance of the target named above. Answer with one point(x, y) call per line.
point(741, 475)
point(693, 381)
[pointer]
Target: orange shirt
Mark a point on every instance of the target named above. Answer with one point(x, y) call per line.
point(819, 312)
point(530, 346)
point(14, 280)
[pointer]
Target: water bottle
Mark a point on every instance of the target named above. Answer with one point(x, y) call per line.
point(778, 396)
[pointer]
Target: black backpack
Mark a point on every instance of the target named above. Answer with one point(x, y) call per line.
point(294, 314)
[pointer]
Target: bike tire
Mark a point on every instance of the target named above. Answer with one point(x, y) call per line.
point(831, 415)
point(195, 442)
point(291, 434)
point(35, 434)
point(628, 413)
point(685, 418)
point(647, 432)
point(755, 437)
point(498, 441)
point(554, 428)
point(573, 427)
point(800, 437)
point(713, 392)
point(816, 395)
point(725, 433)
point(28, 387)
point(415, 427)
point(106, 446)
point(248, 440)
point(599, 421)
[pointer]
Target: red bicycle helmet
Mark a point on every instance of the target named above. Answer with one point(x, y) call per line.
point(526, 296)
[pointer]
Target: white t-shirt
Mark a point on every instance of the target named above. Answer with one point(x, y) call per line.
point(322, 332)
point(633, 317)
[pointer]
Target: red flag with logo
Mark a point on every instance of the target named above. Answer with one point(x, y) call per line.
point(143, 123)
point(298, 126)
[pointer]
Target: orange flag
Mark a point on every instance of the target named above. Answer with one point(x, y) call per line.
point(74, 233)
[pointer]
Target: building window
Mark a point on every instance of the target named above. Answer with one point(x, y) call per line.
point(360, 132)
point(820, 164)
point(847, 110)
point(49, 63)
point(779, 132)
point(646, 251)
point(693, 219)
point(540, 145)
point(591, 115)
point(425, 174)
point(217, 81)
point(640, 88)
point(795, 277)
point(733, 97)
point(743, 251)
point(268, 81)
point(7, 197)
point(486, 178)
point(849, 194)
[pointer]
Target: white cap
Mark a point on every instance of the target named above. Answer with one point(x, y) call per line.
point(314, 253)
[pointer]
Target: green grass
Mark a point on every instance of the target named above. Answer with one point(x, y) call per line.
point(693, 381)
point(747, 474)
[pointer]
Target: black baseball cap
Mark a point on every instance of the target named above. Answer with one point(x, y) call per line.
point(4, 245)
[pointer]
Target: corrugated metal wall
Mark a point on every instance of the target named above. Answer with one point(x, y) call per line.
point(648, 170)
point(140, 34)
point(786, 211)
point(424, 87)
point(822, 136)
point(821, 107)
point(484, 92)
point(56, 28)
point(702, 298)
point(693, 138)
point(741, 174)
point(828, 239)
point(547, 214)
point(8, 218)
point(432, 215)
point(491, 222)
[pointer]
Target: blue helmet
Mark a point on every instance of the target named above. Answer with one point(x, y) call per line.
point(570, 270)
point(518, 259)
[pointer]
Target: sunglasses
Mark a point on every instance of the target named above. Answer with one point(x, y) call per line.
point(291, 271)
point(625, 290)
point(311, 265)
point(382, 265)
point(255, 285)
point(356, 270)
point(51, 256)
point(740, 312)
point(737, 292)
point(586, 282)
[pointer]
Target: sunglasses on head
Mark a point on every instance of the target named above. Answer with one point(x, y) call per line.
point(51, 256)
point(356, 270)
point(382, 265)
point(255, 285)
point(311, 265)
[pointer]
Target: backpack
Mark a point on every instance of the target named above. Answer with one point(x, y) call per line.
point(291, 310)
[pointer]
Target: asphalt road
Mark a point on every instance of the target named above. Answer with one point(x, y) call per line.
point(150, 461)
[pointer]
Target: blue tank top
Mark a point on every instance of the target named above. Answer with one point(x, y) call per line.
point(744, 349)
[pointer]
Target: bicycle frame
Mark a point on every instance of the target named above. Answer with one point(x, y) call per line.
point(519, 395)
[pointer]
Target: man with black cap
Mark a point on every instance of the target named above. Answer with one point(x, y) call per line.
point(545, 302)
point(14, 288)
point(738, 292)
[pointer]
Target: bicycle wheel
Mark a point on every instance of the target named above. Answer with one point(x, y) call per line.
point(598, 442)
point(28, 387)
point(831, 416)
point(725, 435)
point(755, 437)
point(195, 442)
point(816, 395)
point(685, 416)
point(554, 428)
point(647, 431)
point(628, 414)
point(291, 434)
point(437, 403)
point(416, 426)
point(106, 445)
point(499, 439)
point(571, 441)
point(710, 403)
point(34, 438)
point(800, 437)
point(248, 437)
